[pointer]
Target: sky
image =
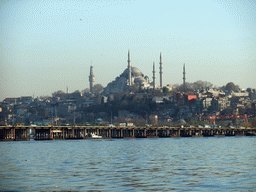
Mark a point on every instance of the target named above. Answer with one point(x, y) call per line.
point(46, 45)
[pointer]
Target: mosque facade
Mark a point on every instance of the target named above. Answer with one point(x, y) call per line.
point(132, 76)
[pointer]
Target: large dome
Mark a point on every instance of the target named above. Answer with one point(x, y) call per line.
point(135, 72)
point(139, 80)
point(121, 84)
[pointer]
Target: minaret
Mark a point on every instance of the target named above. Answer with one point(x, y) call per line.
point(184, 78)
point(91, 79)
point(67, 92)
point(129, 70)
point(154, 76)
point(161, 71)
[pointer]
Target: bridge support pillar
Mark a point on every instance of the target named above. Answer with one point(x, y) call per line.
point(13, 133)
point(73, 132)
point(109, 133)
point(63, 133)
point(51, 134)
point(122, 132)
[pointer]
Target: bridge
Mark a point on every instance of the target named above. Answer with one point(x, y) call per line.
point(16, 133)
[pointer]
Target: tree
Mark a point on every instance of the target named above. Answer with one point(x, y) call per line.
point(77, 91)
point(58, 94)
point(231, 87)
point(85, 91)
point(199, 85)
point(165, 90)
point(97, 89)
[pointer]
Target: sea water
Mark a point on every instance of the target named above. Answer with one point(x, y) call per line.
point(155, 164)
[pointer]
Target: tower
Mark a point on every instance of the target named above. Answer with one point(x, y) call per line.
point(184, 78)
point(129, 70)
point(67, 92)
point(91, 79)
point(161, 71)
point(154, 76)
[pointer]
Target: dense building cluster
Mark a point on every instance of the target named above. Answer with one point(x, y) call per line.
point(212, 102)
point(65, 108)
point(131, 97)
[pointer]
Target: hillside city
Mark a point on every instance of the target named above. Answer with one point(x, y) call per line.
point(133, 99)
point(168, 106)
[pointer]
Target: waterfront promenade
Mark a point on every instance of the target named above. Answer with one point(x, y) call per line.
point(16, 133)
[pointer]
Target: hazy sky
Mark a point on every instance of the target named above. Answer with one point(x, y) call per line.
point(47, 45)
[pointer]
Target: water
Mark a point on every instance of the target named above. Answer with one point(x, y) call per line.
point(157, 164)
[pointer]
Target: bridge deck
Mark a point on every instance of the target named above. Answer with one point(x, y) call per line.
point(82, 132)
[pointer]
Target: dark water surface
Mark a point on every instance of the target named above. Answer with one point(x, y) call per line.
point(159, 164)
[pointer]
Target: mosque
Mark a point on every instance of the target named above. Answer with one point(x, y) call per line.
point(131, 76)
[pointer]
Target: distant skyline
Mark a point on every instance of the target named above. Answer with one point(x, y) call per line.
point(46, 46)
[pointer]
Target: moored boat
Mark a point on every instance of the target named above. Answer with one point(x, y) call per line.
point(94, 136)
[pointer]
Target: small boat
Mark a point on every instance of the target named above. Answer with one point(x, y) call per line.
point(94, 136)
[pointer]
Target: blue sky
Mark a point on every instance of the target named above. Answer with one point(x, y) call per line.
point(47, 45)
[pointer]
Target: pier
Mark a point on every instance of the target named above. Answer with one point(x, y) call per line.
point(17, 133)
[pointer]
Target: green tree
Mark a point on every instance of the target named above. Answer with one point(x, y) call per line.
point(165, 90)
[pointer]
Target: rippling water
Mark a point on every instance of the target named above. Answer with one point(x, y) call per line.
point(157, 164)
